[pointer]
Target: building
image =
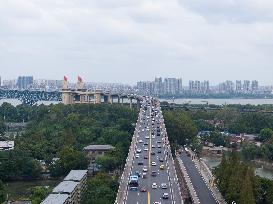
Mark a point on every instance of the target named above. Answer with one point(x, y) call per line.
point(57, 199)
point(6, 145)
point(70, 190)
point(246, 86)
point(24, 82)
point(78, 176)
point(158, 88)
point(254, 85)
point(93, 151)
point(238, 86)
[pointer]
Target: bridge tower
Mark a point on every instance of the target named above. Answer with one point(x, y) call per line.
point(67, 96)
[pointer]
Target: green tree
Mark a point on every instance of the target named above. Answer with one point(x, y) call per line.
point(39, 193)
point(180, 127)
point(2, 192)
point(265, 134)
point(69, 159)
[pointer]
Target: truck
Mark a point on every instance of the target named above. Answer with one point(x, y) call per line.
point(133, 182)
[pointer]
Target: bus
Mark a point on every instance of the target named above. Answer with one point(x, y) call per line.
point(133, 182)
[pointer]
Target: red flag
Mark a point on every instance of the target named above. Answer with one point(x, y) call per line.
point(79, 79)
point(65, 78)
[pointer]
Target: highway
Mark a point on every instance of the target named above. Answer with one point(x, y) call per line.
point(203, 192)
point(152, 151)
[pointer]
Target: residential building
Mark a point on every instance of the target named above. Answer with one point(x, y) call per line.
point(254, 86)
point(246, 86)
point(57, 199)
point(238, 87)
point(6, 145)
point(24, 82)
point(93, 151)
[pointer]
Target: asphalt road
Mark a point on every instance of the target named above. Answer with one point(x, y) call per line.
point(203, 193)
point(154, 135)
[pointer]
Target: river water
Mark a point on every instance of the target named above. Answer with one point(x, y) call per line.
point(213, 162)
point(220, 101)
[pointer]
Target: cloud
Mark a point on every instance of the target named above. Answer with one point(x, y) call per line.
point(121, 40)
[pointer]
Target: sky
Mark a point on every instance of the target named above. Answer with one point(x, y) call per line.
point(126, 41)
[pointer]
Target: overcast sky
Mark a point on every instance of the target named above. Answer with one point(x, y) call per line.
point(131, 40)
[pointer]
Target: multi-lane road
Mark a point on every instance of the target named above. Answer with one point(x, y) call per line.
point(152, 161)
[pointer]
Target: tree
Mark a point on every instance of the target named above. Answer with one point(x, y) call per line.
point(2, 192)
point(69, 159)
point(265, 134)
point(39, 193)
point(101, 189)
point(180, 127)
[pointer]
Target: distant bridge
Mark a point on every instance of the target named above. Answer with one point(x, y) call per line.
point(30, 97)
point(69, 96)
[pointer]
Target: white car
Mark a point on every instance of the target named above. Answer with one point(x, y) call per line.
point(145, 169)
point(146, 148)
point(153, 164)
point(137, 155)
point(138, 150)
point(147, 137)
point(140, 141)
point(164, 186)
point(154, 186)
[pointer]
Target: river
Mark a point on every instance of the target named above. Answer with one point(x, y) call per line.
point(221, 101)
point(213, 162)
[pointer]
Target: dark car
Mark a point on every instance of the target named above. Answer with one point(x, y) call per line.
point(161, 159)
point(140, 163)
point(154, 174)
point(145, 156)
point(152, 153)
point(159, 151)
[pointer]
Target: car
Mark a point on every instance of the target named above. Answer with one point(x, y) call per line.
point(158, 146)
point(152, 153)
point(144, 175)
point(146, 149)
point(159, 151)
point(154, 186)
point(140, 141)
point(158, 141)
point(153, 163)
point(164, 186)
point(145, 157)
point(137, 173)
point(165, 196)
point(154, 174)
point(153, 146)
point(161, 160)
point(157, 202)
point(138, 150)
point(140, 163)
point(162, 167)
point(146, 143)
point(147, 137)
point(145, 169)
point(137, 155)
point(143, 189)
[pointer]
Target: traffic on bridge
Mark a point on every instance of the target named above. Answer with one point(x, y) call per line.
point(150, 176)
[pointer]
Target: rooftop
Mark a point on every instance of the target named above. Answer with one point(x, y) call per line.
point(65, 187)
point(75, 175)
point(99, 147)
point(55, 199)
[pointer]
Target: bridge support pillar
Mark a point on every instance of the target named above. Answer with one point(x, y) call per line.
point(110, 99)
point(97, 98)
point(122, 101)
point(131, 102)
point(138, 104)
point(67, 97)
point(118, 99)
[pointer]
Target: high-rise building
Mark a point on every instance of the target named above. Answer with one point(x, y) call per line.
point(0, 81)
point(24, 82)
point(205, 86)
point(172, 86)
point(158, 86)
point(254, 85)
point(238, 87)
point(246, 86)
point(226, 87)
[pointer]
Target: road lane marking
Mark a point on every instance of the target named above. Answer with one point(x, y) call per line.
point(149, 198)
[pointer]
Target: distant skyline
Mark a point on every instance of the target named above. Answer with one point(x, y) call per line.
point(125, 41)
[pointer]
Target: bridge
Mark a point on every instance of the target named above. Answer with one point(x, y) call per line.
point(70, 95)
point(150, 159)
